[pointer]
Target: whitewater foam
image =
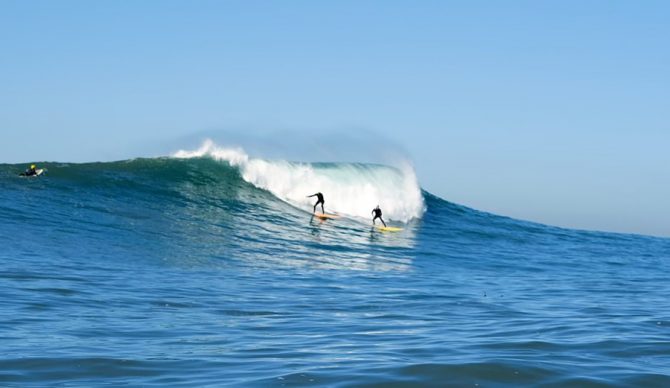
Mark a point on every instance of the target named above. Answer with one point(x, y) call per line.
point(351, 189)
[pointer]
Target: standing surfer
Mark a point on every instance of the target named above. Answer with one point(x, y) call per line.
point(319, 200)
point(378, 214)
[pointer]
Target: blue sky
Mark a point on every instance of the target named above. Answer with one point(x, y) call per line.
point(552, 111)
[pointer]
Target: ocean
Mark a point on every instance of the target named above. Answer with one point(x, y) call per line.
point(207, 269)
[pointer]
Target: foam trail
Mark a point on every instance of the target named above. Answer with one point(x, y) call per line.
point(351, 189)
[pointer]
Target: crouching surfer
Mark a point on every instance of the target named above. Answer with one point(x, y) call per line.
point(319, 200)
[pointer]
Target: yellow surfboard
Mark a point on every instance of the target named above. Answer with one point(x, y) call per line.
point(389, 229)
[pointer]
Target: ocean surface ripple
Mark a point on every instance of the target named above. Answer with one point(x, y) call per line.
point(192, 272)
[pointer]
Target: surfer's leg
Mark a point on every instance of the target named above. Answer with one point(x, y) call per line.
point(382, 220)
point(322, 209)
point(314, 211)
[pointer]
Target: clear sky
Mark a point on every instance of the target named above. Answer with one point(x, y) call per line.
point(551, 111)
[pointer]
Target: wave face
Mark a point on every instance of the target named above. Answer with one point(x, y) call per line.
point(207, 269)
point(351, 189)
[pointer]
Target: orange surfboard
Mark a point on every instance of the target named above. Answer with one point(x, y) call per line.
point(326, 216)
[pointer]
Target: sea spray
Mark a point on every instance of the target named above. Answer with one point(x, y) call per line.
point(351, 189)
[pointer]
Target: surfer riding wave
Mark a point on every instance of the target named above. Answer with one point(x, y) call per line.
point(319, 200)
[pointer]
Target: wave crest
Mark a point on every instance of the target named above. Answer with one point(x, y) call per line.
point(351, 189)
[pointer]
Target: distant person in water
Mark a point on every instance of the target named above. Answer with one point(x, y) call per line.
point(30, 171)
point(319, 200)
point(378, 214)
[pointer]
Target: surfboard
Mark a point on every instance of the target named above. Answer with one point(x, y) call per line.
point(326, 216)
point(389, 229)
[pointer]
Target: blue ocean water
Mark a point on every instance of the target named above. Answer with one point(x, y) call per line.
point(201, 271)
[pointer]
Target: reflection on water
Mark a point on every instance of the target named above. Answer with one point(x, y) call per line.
point(249, 229)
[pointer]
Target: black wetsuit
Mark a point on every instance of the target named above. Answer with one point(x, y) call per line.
point(319, 200)
point(30, 172)
point(378, 214)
